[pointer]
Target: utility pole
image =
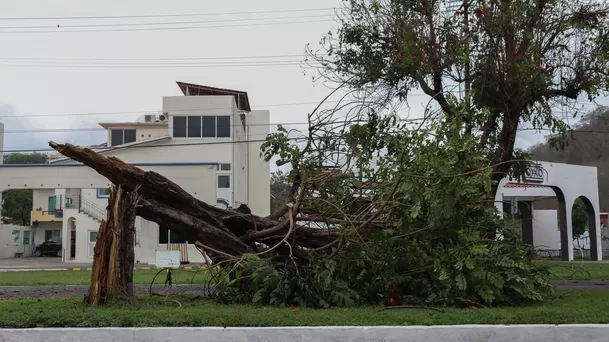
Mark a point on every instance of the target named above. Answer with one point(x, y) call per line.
point(467, 71)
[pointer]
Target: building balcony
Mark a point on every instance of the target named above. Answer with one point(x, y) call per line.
point(46, 216)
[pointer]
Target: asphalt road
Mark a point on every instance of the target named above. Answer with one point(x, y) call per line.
point(77, 291)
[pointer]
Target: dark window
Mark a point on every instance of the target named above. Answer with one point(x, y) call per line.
point(116, 137)
point(224, 167)
point(223, 123)
point(209, 127)
point(129, 136)
point(194, 126)
point(223, 181)
point(175, 237)
point(121, 136)
point(48, 234)
point(179, 126)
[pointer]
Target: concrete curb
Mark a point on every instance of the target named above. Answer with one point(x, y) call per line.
point(460, 333)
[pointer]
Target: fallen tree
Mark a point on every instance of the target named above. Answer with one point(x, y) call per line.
point(222, 234)
point(411, 226)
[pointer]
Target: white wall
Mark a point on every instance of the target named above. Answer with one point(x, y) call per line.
point(259, 188)
point(84, 224)
point(41, 198)
point(7, 249)
point(545, 229)
point(199, 105)
point(143, 131)
point(240, 159)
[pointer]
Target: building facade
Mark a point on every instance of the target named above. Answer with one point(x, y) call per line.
point(207, 141)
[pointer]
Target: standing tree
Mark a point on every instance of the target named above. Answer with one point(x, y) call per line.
point(516, 59)
point(579, 217)
point(17, 204)
point(280, 190)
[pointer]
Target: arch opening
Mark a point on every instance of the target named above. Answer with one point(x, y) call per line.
point(71, 255)
point(584, 226)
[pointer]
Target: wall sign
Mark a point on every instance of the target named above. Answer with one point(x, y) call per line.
point(535, 174)
point(167, 259)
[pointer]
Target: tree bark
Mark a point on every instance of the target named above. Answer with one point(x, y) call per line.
point(114, 255)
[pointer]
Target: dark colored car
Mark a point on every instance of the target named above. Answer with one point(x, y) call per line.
point(51, 247)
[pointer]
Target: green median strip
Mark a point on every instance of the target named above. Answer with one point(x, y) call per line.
point(83, 277)
point(578, 307)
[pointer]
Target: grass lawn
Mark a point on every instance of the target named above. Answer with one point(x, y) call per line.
point(578, 270)
point(41, 278)
point(578, 307)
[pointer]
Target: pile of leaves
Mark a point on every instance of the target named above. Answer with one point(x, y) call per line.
point(417, 220)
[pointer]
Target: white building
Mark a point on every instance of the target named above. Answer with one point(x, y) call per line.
point(207, 141)
point(551, 230)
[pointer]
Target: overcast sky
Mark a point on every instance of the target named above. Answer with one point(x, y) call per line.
point(44, 74)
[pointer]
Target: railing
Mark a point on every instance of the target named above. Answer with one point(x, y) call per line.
point(85, 206)
point(71, 202)
point(92, 209)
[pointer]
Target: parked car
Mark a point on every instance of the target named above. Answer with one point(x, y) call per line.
point(51, 247)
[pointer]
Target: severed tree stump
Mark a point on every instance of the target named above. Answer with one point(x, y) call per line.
point(114, 257)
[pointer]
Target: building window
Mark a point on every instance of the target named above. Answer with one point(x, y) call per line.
point(92, 241)
point(223, 124)
point(121, 136)
point(103, 193)
point(49, 234)
point(209, 126)
point(26, 237)
point(223, 181)
point(52, 203)
point(166, 235)
point(224, 167)
point(179, 126)
point(15, 237)
point(197, 126)
point(194, 126)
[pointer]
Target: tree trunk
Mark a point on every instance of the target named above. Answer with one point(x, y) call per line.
point(114, 258)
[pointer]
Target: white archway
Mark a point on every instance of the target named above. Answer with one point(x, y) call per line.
point(566, 182)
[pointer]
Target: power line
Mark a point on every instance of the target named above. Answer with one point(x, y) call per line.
point(94, 129)
point(160, 63)
point(232, 141)
point(150, 66)
point(160, 23)
point(149, 59)
point(157, 146)
point(170, 28)
point(167, 15)
point(157, 111)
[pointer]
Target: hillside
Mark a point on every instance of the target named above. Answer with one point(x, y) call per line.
point(589, 146)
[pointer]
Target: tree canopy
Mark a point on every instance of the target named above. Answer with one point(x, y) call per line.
point(17, 204)
point(515, 60)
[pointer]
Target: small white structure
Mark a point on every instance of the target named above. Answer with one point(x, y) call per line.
point(207, 141)
point(565, 182)
point(15, 241)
